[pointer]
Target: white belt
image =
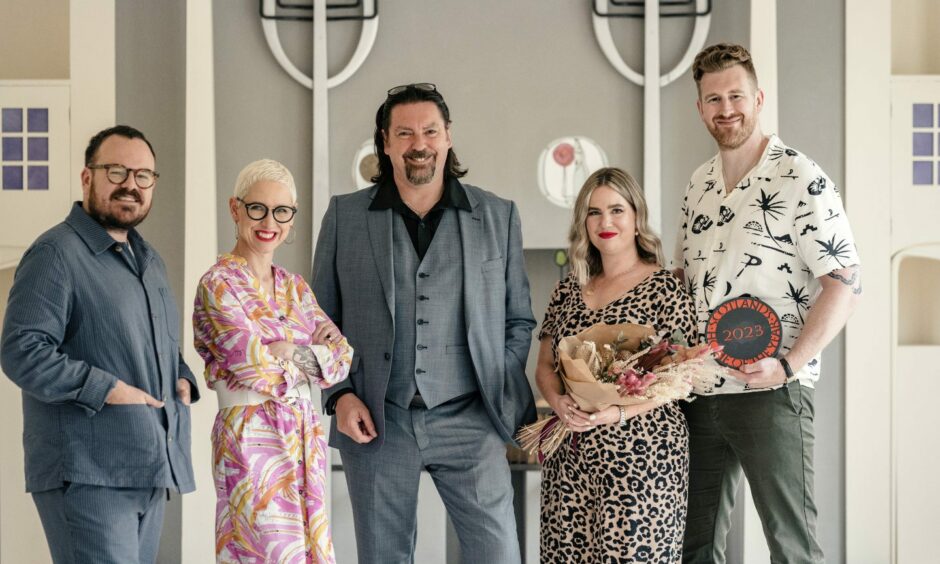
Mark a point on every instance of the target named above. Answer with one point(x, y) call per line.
point(243, 396)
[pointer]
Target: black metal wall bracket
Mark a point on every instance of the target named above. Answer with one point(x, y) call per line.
point(309, 8)
point(667, 9)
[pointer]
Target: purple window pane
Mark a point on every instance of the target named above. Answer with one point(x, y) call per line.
point(923, 115)
point(923, 172)
point(38, 119)
point(12, 149)
point(923, 144)
point(37, 177)
point(12, 120)
point(12, 178)
point(37, 148)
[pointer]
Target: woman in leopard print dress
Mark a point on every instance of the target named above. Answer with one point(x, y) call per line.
point(619, 493)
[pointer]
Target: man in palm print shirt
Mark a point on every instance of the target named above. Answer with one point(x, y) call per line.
point(763, 220)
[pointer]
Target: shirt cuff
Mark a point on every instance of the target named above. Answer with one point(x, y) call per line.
point(98, 385)
point(330, 407)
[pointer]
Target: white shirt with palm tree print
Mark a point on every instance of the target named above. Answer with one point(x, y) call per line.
point(781, 228)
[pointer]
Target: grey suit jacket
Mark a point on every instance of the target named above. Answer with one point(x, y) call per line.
point(353, 283)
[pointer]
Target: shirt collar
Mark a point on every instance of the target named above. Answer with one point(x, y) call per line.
point(388, 197)
point(96, 236)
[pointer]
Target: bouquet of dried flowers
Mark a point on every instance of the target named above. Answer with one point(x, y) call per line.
point(623, 364)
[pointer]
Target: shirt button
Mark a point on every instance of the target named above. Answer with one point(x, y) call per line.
point(423, 298)
point(388, 356)
point(118, 249)
point(423, 275)
point(281, 318)
point(422, 322)
point(421, 347)
point(420, 371)
point(169, 440)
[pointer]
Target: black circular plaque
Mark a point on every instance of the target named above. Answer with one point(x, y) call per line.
point(748, 330)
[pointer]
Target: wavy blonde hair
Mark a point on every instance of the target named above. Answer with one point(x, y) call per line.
point(584, 257)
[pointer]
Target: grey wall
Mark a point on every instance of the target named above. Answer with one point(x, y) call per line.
point(150, 46)
point(811, 60)
point(515, 74)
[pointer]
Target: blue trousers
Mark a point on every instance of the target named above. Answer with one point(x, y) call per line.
point(87, 524)
point(458, 446)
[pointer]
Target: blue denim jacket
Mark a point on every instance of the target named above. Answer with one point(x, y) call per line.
point(84, 312)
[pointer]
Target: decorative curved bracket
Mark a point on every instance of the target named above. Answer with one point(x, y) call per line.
point(370, 29)
point(606, 42)
point(652, 165)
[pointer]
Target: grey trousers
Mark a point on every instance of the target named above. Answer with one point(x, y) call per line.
point(465, 456)
point(87, 524)
point(769, 436)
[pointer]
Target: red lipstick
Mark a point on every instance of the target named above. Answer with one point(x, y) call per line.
point(606, 234)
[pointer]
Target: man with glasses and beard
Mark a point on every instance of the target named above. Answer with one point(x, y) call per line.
point(761, 221)
point(91, 336)
point(425, 277)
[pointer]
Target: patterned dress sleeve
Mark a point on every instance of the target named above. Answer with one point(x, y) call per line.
point(334, 358)
point(550, 323)
point(231, 345)
point(676, 312)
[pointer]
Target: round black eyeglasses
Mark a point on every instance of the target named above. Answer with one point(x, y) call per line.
point(117, 174)
point(258, 211)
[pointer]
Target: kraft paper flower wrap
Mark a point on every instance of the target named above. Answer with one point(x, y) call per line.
point(590, 394)
point(597, 362)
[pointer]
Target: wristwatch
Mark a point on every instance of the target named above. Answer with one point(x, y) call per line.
point(786, 369)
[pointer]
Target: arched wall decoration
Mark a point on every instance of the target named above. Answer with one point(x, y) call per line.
point(651, 80)
point(319, 83)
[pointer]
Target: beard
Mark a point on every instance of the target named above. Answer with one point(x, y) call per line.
point(734, 138)
point(112, 213)
point(419, 175)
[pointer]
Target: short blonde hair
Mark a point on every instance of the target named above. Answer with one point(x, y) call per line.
point(584, 257)
point(721, 56)
point(261, 170)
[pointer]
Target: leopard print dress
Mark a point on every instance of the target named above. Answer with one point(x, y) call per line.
point(619, 495)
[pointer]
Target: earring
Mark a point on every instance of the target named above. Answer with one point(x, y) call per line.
point(291, 237)
point(636, 233)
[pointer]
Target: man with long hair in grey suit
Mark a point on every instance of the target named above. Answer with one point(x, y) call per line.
point(425, 277)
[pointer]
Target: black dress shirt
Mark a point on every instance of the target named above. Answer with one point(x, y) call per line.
point(421, 230)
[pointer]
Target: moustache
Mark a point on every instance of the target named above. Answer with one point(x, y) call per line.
point(731, 116)
point(419, 154)
point(124, 192)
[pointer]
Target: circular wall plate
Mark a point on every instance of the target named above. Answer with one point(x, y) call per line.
point(564, 165)
point(365, 165)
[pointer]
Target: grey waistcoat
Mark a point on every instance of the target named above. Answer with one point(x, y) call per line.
point(430, 354)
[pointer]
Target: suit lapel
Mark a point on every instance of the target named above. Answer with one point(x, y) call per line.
point(380, 236)
point(472, 244)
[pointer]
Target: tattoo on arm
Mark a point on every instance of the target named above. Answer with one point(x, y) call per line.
point(307, 361)
point(855, 281)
